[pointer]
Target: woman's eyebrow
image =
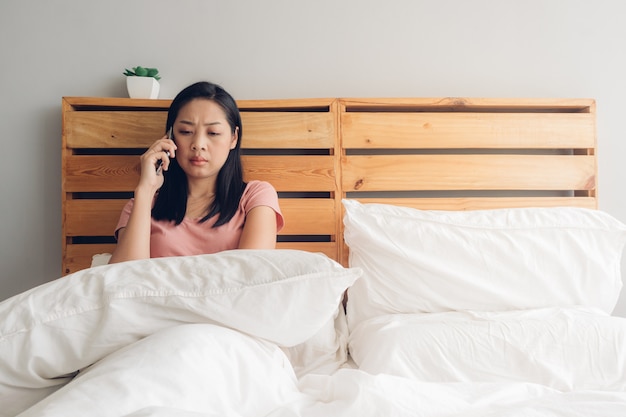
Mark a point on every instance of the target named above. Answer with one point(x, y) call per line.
point(187, 122)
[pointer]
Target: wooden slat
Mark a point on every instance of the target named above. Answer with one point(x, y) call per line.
point(86, 173)
point(121, 103)
point(308, 216)
point(294, 130)
point(314, 173)
point(303, 216)
point(92, 217)
point(468, 130)
point(484, 203)
point(113, 129)
point(470, 104)
point(468, 172)
point(117, 103)
point(78, 257)
point(327, 248)
point(291, 104)
point(307, 173)
point(139, 129)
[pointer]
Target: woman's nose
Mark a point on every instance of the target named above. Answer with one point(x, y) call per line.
point(198, 143)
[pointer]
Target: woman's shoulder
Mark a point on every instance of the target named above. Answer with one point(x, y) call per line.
point(259, 187)
point(262, 193)
point(259, 193)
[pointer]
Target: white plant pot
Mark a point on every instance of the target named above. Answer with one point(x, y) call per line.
point(142, 87)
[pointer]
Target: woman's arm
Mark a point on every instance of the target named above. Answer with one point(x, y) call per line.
point(259, 231)
point(133, 241)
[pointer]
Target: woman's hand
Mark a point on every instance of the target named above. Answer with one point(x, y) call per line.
point(153, 161)
point(133, 241)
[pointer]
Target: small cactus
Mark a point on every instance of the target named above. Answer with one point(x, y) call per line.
point(143, 72)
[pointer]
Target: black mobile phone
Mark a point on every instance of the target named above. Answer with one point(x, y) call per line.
point(170, 136)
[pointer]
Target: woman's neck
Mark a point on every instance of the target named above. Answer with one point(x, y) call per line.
point(201, 189)
point(199, 198)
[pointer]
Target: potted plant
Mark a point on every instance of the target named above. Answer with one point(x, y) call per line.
point(142, 82)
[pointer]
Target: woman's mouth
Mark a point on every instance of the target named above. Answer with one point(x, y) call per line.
point(197, 161)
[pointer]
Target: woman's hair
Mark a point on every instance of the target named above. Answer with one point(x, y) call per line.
point(171, 200)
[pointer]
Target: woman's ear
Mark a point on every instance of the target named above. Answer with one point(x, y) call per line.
point(235, 138)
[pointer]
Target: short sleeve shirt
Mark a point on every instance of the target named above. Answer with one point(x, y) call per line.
point(191, 237)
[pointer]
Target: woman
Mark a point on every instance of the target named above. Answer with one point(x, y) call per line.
point(191, 197)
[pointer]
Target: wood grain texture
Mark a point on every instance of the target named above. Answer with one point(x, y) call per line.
point(468, 130)
point(100, 173)
point(428, 153)
point(307, 173)
point(113, 129)
point(468, 172)
point(287, 130)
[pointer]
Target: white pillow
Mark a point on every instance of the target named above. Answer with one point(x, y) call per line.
point(418, 261)
point(283, 296)
point(324, 352)
point(566, 349)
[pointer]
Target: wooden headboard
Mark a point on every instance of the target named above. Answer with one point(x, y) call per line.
point(444, 154)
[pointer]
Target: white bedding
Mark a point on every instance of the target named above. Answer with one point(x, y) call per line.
point(568, 349)
point(262, 333)
point(208, 370)
point(287, 298)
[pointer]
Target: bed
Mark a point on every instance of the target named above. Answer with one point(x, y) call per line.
point(441, 257)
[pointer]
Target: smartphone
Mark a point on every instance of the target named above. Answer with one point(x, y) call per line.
point(159, 168)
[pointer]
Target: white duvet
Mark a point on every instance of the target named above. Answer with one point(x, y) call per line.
point(207, 370)
point(230, 335)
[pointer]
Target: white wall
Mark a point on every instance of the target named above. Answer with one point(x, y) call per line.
point(284, 49)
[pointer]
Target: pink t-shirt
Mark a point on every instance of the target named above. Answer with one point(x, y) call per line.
point(193, 238)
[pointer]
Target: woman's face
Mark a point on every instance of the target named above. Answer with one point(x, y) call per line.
point(203, 138)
